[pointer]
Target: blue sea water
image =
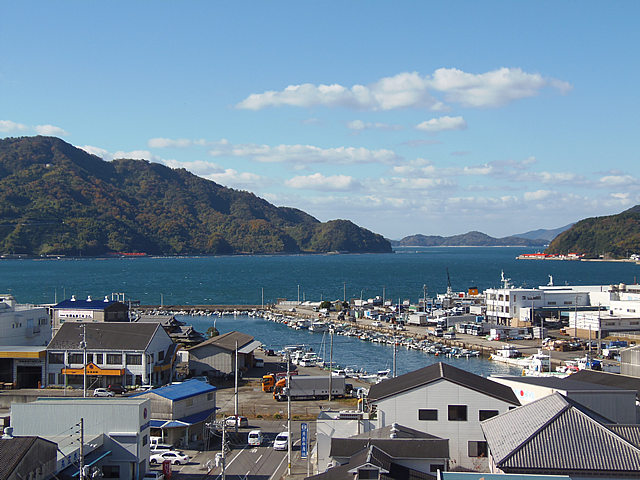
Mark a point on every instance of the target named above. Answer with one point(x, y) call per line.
point(250, 280)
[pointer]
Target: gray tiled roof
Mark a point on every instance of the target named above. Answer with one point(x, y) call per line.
point(556, 435)
point(624, 382)
point(394, 447)
point(11, 453)
point(105, 336)
point(373, 456)
point(631, 433)
point(567, 384)
point(436, 372)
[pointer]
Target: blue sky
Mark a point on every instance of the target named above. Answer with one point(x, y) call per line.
point(405, 117)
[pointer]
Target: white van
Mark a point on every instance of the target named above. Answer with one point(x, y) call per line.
point(255, 437)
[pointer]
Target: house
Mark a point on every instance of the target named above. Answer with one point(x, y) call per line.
point(88, 310)
point(332, 424)
point(179, 412)
point(24, 325)
point(179, 331)
point(616, 404)
point(558, 436)
point(414, 449)
point(447, 402)
point(218, 354)
point(115, 432)
point(27, 457)
point(116, 353)
point(372, 463)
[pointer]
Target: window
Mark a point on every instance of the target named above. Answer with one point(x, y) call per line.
point(76, 358)
point(435, 468)
point(114, 359)
point(189, 402)
point(478, 449)
point(56, 358)
point(98, 359)
point(134, 359)
point(634, 323)
point(161, 355)
point(425, 414)
point(52, 379)
point(111, 471)
point(209, 397)
point(568, 302)
point(487, 414)
point(144, 440)
point(551, 303)
point(368, 473)
point(457, 413)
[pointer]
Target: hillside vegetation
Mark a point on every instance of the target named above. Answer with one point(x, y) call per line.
point(614, 235)
point(56, 199)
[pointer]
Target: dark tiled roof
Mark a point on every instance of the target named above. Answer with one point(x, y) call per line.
point(375, 457)
point(395, 447)
point(105, 335)
point(439, 371)
point(555, 435)
point(11, 453)
point(624, 382)
point(631, 433)
point(568, 384)
point(227, 341)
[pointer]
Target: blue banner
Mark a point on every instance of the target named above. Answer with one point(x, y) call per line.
point(304, 440)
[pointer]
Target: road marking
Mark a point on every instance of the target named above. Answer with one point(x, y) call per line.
point(258, 458)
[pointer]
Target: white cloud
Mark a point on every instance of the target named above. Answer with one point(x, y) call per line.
point(411, 90)
point(491, 89)
point(135, 154)
point(317, 181)
point(9, 127)
point(442, 123)
point(50, 130)
point(246, 180)
point(178, 143)
point(199, 167)
point(360, 125)
point(618, 181)
point(538, 195)
point(305, 154)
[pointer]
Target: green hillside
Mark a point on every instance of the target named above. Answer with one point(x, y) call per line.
point(615, 235)
point(56, 199)
point(470, 239)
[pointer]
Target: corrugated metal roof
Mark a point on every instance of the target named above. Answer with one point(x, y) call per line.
point(105, 335)
point(555, 435)
point(439, 371)
point(180, 391)
point(227, 341)
point(624, 382)
point(631, 433)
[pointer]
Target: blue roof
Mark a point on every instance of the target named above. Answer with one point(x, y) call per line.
point(180, 391)
point(198, 417)
point(95, 304)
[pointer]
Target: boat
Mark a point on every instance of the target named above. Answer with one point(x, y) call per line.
point(540, 366)
point(507, 354)
point(319, 327)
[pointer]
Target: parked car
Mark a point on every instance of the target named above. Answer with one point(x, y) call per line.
point(102, 392)
point(270, 353)
point(160, 448)
point(153, 476)
point(255, 437)
point(117, 389)
point(145, 388)
point(239, 420)
point(281, 442)
point(175, 457)
point(259, 362)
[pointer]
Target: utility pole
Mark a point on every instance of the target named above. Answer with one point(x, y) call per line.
point(236, 404)
point(288, 417)
point(575, 330)
point(344, 291)
point(81, 476)
point(83, 345)
point(330, 364)
point(224, 447)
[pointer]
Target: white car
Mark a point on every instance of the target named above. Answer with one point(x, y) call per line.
point(281, 442)
point(176, 458)
point(103, 392)
point(255, 437)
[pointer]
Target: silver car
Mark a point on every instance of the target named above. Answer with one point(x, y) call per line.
point(103, 392)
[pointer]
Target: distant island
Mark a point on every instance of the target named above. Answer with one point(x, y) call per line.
point(56, 199)
point(470, 239)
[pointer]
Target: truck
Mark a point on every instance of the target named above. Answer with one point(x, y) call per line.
point(308, 387)
point(269, 380)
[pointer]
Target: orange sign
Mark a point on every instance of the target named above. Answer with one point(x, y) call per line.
point(93, 369)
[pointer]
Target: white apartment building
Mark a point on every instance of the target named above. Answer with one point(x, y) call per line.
point(24, 325)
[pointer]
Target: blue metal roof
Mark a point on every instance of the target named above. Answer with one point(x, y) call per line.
point(180, 391)
point(95, 304)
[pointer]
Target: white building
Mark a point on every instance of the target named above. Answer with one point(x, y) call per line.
point(24, 325)
point(116, 353)
point(116, 432)
point(447, 402)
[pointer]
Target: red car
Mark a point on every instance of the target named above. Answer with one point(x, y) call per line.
point(116, 389)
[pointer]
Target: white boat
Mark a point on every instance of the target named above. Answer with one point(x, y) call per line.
point(540, 366)
point(319, 327)
point(507, 354)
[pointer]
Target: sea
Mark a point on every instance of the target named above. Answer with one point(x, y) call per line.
point(407, 273)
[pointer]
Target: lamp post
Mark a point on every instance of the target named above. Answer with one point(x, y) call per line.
point(344, 291)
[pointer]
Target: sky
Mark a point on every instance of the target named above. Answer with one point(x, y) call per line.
point(405, 117)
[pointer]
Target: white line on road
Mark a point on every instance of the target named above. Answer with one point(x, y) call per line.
point(258, 458)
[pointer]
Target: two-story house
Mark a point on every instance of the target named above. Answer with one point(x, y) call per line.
point(447, 402)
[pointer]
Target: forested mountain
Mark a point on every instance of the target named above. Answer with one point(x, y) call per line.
point(615, 235)
point(56, 199)
point(544, 234)
point(470, 239)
